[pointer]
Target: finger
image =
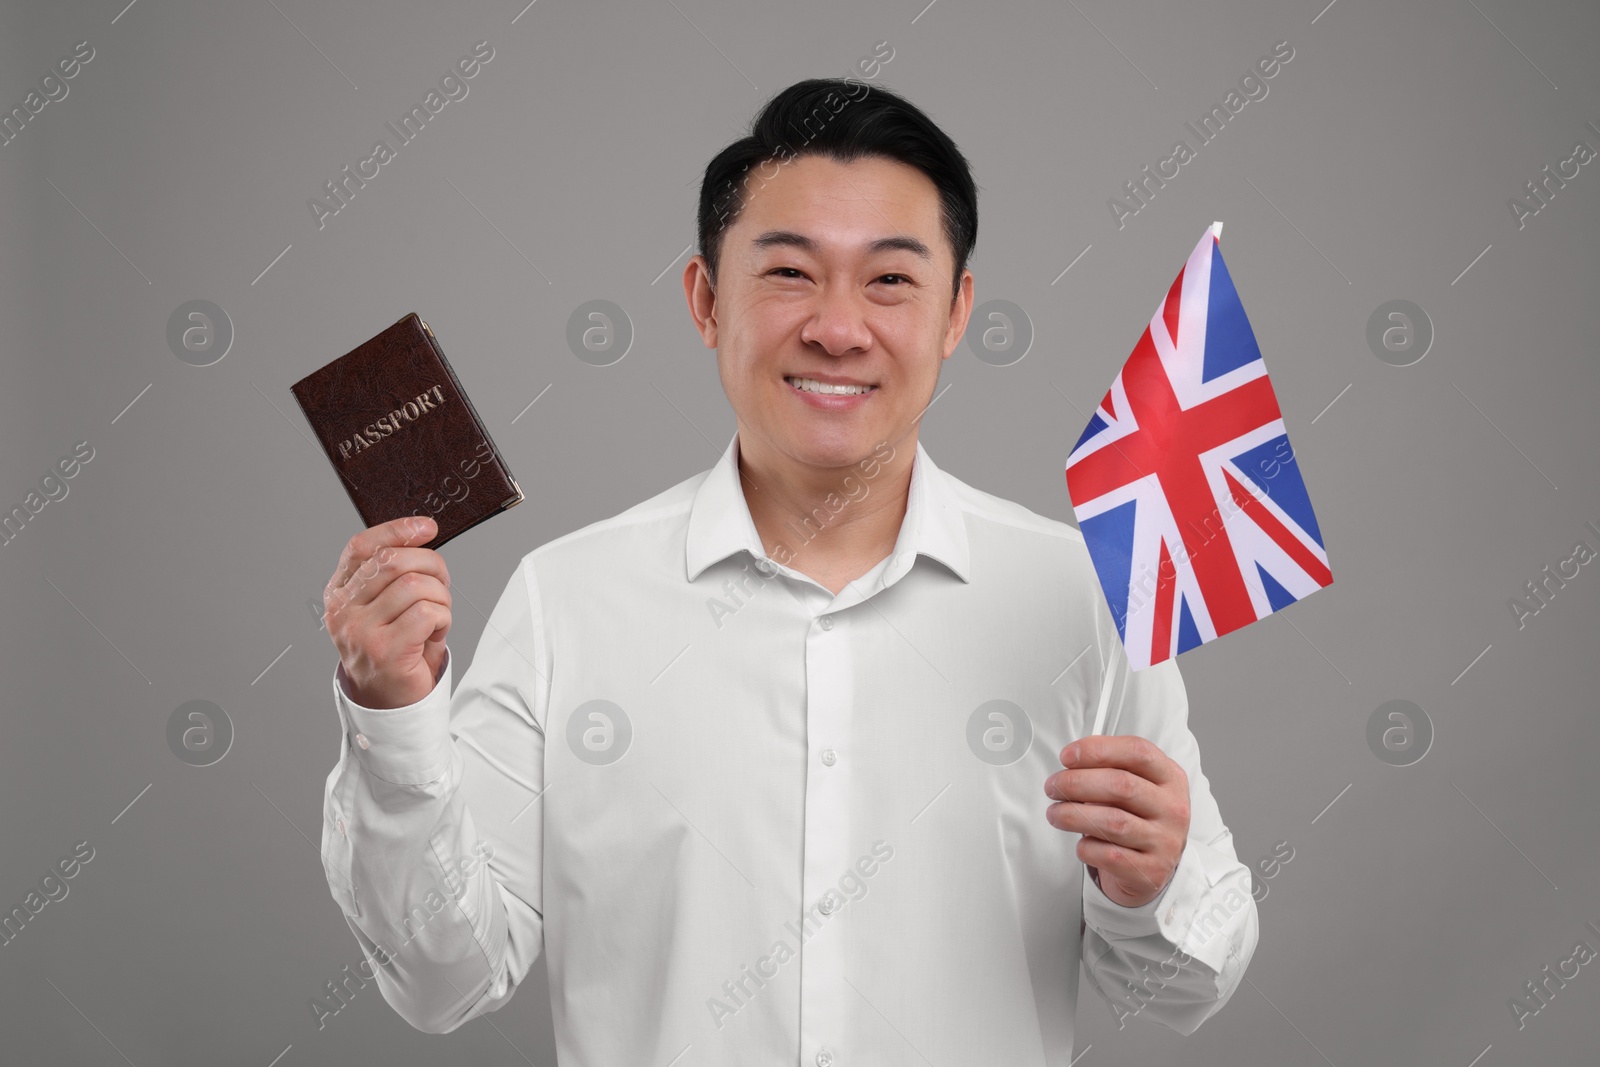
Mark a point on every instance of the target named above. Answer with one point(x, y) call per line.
point(1108, 824)
point(420, 622)
point(1110, 786)
point(1130, 752)
point(365, 551)
point(405, 590)
point(1113, 861)
point(396, 533)
point(369, 580)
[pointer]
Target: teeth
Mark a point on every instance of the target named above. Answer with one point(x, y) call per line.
point(811, 385)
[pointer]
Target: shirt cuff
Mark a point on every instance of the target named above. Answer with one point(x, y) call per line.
point(408, 745)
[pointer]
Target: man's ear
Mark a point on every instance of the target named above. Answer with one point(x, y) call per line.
point(960, 312)
point(701, 295)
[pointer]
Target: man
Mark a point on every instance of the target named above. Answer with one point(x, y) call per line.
point(787, 763)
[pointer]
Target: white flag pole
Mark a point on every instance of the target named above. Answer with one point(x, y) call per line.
point(1105, 688)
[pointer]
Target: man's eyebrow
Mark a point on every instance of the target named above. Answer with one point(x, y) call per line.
point(788, 238)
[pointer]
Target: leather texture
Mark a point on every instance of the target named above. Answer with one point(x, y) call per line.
point(402, 434)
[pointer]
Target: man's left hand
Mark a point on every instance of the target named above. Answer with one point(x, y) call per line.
point(1130, 801)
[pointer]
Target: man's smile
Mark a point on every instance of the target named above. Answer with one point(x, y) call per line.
point(830, 393)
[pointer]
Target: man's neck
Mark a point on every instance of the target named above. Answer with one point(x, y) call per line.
point(831, 524)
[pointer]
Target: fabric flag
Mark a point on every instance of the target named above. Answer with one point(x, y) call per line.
point(1186, 490)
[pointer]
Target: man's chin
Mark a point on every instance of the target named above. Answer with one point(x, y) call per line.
point(832, 448)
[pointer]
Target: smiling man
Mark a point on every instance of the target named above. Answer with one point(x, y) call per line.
point(791, 762)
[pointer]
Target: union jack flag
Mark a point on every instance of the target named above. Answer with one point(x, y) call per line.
point(1186, 490)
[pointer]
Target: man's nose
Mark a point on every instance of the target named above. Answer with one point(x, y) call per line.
point(838, 320)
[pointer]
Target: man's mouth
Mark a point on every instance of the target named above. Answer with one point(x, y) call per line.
point(812, 385)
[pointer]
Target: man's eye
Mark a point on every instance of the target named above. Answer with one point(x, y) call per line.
point(793, 271)
point(902, 277)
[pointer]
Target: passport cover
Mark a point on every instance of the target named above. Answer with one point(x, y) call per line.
point(402, 435)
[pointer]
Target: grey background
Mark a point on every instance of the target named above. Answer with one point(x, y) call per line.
point(180, 564)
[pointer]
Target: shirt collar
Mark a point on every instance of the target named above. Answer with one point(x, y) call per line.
point(720, 522)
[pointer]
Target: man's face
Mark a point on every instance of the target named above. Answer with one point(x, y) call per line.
point(838, 273)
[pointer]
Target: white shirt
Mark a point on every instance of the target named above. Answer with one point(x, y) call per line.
point(753, 820)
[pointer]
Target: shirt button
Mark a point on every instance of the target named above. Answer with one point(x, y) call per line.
point(828, 757)
point(827, 905)
point(824, 1058)
point(826, 622)
point(340, 823)
point(1170, 909)
point(361, 739)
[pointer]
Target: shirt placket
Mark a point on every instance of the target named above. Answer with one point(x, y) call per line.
point(829, 697)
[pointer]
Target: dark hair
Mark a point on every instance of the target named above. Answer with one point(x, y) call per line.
point(843, 119)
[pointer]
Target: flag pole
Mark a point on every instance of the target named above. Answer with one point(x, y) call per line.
point(1105, 689)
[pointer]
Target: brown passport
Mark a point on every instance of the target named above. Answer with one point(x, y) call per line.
point(402, 435)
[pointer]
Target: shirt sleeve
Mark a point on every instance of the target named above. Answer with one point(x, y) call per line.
point(1177, 958)
point(432, 835)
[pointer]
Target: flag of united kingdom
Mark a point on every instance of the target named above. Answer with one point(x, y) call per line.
point(1186, 490)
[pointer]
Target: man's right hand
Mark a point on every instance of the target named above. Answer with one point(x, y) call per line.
point(387, 608)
